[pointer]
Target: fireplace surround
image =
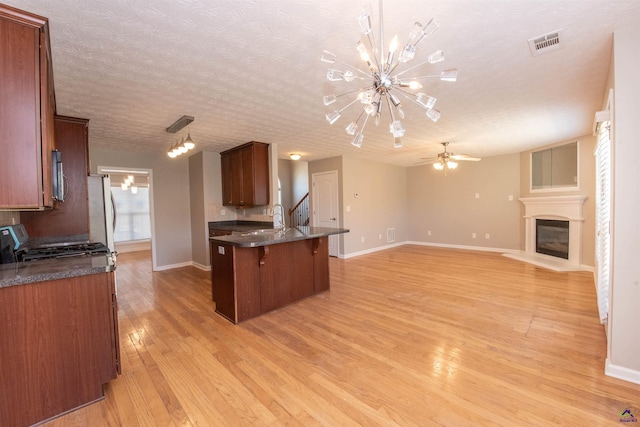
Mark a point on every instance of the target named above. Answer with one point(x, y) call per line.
point(562, 208)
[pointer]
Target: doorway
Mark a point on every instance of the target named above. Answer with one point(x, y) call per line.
point(326, 212)
point(132, 192)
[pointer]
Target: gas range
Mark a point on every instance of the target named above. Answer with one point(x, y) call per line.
point(16, 246)
point(64, 251)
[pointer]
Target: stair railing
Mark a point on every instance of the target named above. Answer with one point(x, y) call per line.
point(299, 215)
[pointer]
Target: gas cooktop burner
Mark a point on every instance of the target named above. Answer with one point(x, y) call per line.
point(62, 251)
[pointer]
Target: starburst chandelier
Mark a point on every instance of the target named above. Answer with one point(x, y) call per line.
point(385, 84)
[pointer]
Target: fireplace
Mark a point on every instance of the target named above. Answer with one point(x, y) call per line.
point(552, 237)
point(555, 224)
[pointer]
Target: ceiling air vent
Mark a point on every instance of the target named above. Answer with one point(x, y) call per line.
point(546, 43)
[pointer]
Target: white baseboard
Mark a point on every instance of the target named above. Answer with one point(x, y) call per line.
point(621, 372)
point(372, 250)
point(184, 264)
point(172, 266)
point(201, 266)
point(470, 248)
point(441, 245)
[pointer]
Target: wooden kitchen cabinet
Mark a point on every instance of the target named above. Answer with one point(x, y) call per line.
point(27, 107)
point(58, 347)
point(245, 175)
point(70, 218)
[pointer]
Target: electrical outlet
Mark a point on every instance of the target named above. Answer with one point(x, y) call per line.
point(477, 195)
point(486, 236)
point(473, 235)
point(362, 239)
point(379, 236)
point(348, 208)
point(429, 233)
point(510, 198)
point(223, 212)
point(221, 250)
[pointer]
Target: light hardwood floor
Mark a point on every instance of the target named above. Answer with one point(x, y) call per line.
point(412, 336)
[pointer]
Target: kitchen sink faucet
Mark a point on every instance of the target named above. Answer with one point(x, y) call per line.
point(281, 226)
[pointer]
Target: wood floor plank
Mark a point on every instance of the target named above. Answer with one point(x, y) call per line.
point(411, 336)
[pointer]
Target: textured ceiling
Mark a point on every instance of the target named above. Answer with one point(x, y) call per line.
point(250, 70)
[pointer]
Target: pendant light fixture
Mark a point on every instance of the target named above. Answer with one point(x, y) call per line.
point(184, 145)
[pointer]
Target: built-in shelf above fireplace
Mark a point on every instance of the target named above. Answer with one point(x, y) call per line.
point(560, 208)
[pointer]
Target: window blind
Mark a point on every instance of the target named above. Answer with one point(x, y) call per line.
point(603, 219)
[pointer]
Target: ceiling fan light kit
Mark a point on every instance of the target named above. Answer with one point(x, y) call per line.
point(385, 85)
point(447, 160)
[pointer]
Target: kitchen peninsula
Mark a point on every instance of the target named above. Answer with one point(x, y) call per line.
point(256, 271)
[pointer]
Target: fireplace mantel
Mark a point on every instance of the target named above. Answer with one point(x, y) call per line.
point(567, 208)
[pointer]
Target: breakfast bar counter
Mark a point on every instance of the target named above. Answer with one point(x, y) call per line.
point(253, 272)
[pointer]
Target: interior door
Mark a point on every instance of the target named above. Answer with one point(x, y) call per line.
point(325, 205)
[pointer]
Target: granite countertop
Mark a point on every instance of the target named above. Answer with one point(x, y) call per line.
point(251, 238)
point(22, 273)
point(239, 226)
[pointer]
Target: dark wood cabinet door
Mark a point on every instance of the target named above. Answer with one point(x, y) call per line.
point(27, 106)
point(261, 183)
point(57, 347)
point(20, 163)
point(70, 218)
point(237, 179)
point(245, 175)
point(227, 180)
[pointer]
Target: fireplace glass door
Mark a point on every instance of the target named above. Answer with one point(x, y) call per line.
point(552, 238)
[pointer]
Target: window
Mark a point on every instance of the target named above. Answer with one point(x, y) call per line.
point(132, 222)
point(555, 168)
point(603, 219)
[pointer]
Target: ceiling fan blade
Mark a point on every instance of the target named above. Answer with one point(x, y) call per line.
point(427, 160)
point(464, 157)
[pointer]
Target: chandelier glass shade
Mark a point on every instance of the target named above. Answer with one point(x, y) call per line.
point(386, 82)
point(128, 184)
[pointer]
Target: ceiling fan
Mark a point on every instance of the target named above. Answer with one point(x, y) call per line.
point(447, 159)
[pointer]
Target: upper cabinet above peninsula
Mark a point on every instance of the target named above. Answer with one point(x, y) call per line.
point(27, 108)
point(245, 175)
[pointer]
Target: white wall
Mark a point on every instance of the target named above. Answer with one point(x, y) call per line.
point(205, 189)
point(374, 199)
point(447, 205)
point(286, 184)
point(624, 316)
point(300, 178)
